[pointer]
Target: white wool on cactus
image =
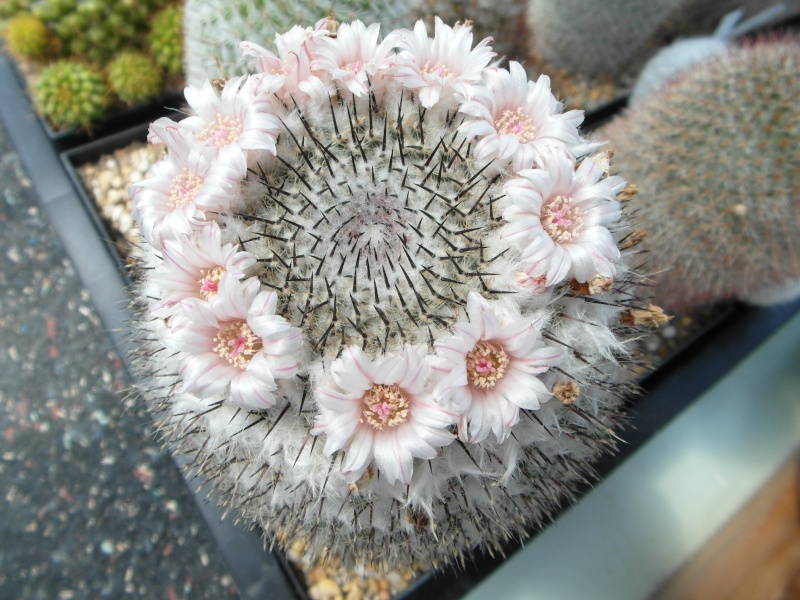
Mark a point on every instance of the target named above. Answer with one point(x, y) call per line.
point(351, 319)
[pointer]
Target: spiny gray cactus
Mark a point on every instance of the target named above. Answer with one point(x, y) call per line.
point(577, 36)
point(716, 159)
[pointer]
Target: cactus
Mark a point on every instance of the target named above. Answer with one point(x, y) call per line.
point(70, 93)
point(11, 8)
point(362, 316)
point(96, 30)
point(503, 21)
point(134, 77)
point(575, 36)
point(213, 28)
point(165, 38)
point(26, 36)
point(715, 156)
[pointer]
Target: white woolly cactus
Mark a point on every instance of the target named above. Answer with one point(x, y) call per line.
point(381, 300)
point(213, 28)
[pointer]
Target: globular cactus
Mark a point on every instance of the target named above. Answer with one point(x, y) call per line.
point(165, 38)
point(26, 36)
point(96, 30)
point(11, 8)
point(213, 28)
point(134, 77)
point(384, 298)
point(70, 93)
point(716, 159)
point(575, 36)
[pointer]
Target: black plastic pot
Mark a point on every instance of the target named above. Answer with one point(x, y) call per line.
point(259, 573)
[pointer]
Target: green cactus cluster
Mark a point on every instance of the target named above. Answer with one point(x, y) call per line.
point(134, 77)
point(97, 29)
point(11, 8)
point(26, 36)
point(165, 38)
point(69, 93)
point(716, 160)
point(132, 47)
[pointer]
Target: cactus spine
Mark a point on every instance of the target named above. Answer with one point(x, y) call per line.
point(716, 160)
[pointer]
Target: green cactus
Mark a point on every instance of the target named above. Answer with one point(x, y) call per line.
point(716, 159)
point(96, 30)
point(26, 36)
point(10, 8)
point(165, 38)
point(134, 77)
point(70, 93)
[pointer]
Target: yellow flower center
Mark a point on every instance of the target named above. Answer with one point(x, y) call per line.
point(237, 343)
point(222, 131)
point(516, 123)
point(561, 219)
point(209, 281)
point(384, 406)
point(486, 365)
point(184, 189)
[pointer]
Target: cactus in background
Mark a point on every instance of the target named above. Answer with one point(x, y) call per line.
point(213, 28)
point(10, 8)
point(134, 77)
point(26, 36)
point(96, 30)
point(503, 21)
point(384, 302)
point(70, 93)
point(575, 36)
point(716, 159)
point(165, 38)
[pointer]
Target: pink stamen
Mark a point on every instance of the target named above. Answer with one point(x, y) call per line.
point(238, 346)
point(484, 366)
point(209, 286)
point(383, 410)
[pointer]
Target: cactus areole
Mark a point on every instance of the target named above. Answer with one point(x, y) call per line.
point(357, 294)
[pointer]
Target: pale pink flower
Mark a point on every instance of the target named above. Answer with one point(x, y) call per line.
point(236, 118)
point(195, 268)
point(289, 71)
point(379, 411)
point(558, 217)
point(353, 57)
point(488, 370)
point(236, 346)
point(443, 67)
point(515, 117)
point(187, 188)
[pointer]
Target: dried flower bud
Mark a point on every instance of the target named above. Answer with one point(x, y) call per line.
point(566, 392)
point(653, 315)
point(598, 285)
point(629, 192)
